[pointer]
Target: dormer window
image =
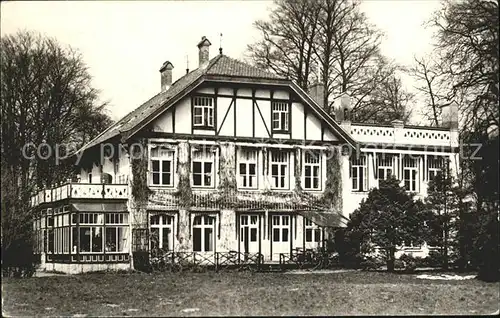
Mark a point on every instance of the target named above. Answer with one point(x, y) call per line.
point(203, 112)
point(281, 115)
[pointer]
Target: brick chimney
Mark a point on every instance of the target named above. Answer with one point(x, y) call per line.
point(343, 113)
point(317, 92)
point(449, 115)
point(204, 52)
point(166, 75)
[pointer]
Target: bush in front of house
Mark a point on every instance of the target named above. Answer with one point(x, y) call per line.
point(409, 263)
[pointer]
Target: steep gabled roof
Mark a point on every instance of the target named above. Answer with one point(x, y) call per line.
point(220, 65)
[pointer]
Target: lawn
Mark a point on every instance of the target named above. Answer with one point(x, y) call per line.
point(245, 293)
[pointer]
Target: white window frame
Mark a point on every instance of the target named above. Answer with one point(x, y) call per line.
point(312, 160)
point(163, 155)
point(165, 222)
point(248, 157)
point(203, 110)
point(412, 166)
point(117, 221)
point(315, 230)
point(279, 159)
point(203, 155)
point(279, 224)
point(385, 163)
point(280, 117)
point(434, 166)
point(92, 221)
point(206, 222)
point(250, 221)
point(359, 165)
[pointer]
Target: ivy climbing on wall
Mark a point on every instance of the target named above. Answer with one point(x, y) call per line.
point(183, 192)
point(332, 196)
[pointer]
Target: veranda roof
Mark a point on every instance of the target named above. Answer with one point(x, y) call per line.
point(99, 207)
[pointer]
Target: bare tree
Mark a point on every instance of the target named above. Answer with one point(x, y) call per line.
point(346, 48)
point(333, 37)
point(287, 44)
point(388, 100)
point(467, 33)
point(47, 98)
point(431, 86)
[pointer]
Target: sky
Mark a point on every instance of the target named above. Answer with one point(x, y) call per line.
point(124, 43)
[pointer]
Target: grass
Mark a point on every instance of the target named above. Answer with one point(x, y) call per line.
point(245, 293)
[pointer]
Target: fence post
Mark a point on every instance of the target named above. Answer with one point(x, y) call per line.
point(216, 261)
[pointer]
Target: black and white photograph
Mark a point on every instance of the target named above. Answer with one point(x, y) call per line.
point(250, 158)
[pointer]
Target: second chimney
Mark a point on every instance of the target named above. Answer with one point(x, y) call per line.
point(203, 54)
point(166, 75)
point(317, 92)
point(450, 116)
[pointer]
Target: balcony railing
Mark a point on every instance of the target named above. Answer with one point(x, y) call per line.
point(406, 136)
point(81, 191)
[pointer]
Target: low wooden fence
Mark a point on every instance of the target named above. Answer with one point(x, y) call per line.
point(179, 261)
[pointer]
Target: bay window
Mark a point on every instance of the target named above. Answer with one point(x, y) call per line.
point(247, 168)
point(279, 169)
point(312, 170)
point(116, 232)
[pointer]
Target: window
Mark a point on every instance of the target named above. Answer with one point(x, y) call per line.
point(122, 179)
point(247, 169)
point(203, 112)
point(434, 166)
point(410, 173)
point(313, 232)
point(161, 231)
point(202, 168)
point(281, 111)
point(203, 233)
point(248, 231)
point(91, 236)
point(312, 165)
point(385, 164)
point(90, 177)
point(90, 239)
point(359, 173)
point(279, 170)
point(116, 236)
point(162, 166)
point(281, 227)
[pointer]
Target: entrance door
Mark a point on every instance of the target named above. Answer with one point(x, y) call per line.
point(249, 233)
point(281, 236)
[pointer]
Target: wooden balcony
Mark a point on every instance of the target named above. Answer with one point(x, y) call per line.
point(75, 190)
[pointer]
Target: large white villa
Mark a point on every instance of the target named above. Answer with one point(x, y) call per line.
point(227, 158)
